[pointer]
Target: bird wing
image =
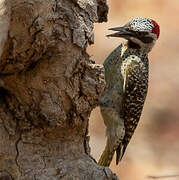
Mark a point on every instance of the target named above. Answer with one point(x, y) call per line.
point(135, 90)
point(112, 65)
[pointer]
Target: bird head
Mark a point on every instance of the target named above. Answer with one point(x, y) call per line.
point(140, 33)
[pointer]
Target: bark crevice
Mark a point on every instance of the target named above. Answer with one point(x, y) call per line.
point(17, 153)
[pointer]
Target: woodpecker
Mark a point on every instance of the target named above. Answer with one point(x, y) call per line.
point(126, 76)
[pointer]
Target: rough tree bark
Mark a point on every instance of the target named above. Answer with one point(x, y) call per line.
point(48, 88)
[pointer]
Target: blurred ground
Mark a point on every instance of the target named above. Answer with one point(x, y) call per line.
point(154, 149)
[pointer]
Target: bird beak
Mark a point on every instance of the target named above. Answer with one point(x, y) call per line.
point(121, 32)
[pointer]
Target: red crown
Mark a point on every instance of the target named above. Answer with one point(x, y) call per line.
point(156, 28)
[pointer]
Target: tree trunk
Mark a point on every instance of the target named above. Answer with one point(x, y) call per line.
point(48, 88)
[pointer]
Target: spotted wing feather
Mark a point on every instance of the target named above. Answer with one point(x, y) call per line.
point(135, 90)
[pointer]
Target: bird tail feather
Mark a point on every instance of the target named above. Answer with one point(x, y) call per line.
point(106, 157)
point(120, 152)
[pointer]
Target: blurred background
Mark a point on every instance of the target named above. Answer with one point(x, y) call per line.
point(154, 149)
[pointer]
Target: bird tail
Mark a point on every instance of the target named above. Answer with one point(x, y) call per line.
point(120, 152)
point(106, 157)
